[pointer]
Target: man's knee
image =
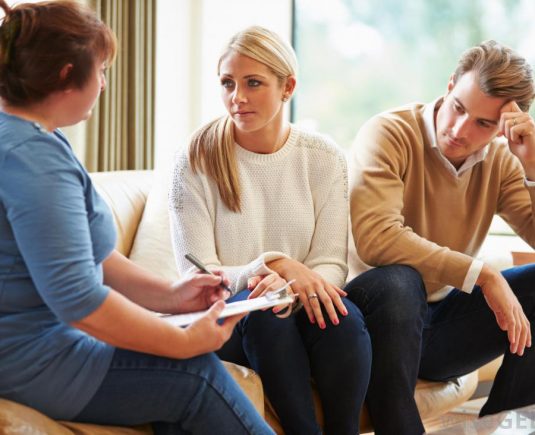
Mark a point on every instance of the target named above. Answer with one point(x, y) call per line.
point(520, 279)
point(396, 291)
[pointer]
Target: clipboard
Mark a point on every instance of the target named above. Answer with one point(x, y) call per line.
point(271, 299)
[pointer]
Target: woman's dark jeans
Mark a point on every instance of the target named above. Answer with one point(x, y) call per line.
point(195, 395)
point(289, 353)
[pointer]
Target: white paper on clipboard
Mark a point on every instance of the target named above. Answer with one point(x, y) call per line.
point(277, 297)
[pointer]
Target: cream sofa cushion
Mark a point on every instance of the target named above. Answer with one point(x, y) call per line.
point(126, 193)
point(152, 247)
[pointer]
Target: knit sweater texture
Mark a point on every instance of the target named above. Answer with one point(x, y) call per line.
point(407, 208)
point(294, 203)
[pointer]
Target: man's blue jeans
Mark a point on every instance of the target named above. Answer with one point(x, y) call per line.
point(288, 353)
point(437, 341)
point(188, 396)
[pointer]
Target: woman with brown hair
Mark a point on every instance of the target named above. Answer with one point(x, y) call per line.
point(78, 341)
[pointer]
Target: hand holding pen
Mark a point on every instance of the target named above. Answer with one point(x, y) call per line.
point(199, 264)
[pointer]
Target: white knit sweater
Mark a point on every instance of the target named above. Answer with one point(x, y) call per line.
point(294, 203)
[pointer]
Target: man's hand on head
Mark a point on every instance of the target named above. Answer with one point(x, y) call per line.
point(519, 129)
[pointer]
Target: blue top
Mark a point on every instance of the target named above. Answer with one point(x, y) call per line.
point(55, 231)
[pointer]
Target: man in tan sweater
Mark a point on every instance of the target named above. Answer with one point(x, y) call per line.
point(427, 180)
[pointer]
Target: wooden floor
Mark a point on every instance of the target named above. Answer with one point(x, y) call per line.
point(467, 411)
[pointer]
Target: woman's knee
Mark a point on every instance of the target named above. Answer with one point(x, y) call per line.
point(263, 331)
point(206, 368)
point(353, 322)
point(265, 319)
point(350, 337)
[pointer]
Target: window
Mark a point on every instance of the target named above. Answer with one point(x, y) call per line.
point(360, 57)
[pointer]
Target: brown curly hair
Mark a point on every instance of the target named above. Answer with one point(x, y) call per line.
point(38, 39)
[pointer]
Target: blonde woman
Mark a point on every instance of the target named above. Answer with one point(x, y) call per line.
point(267, 203)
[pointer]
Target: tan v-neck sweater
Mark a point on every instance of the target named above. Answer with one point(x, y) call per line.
point(406, 208)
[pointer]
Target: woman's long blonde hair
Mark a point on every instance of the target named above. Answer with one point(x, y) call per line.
point(211, 149)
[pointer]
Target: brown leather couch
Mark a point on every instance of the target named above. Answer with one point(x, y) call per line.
point(138, 200)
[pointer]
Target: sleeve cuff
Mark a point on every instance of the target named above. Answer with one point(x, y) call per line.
point(261, 267)
point(471, 276)
point(529, 183)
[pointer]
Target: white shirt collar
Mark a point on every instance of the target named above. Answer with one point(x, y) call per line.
point(431, 133)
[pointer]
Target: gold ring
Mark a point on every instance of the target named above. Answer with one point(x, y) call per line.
point(312, 296)
point(514, 122)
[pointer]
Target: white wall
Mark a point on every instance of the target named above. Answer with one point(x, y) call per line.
point(191, 35)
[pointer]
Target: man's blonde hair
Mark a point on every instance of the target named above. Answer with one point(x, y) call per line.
point(500, 71)
point(211, 148)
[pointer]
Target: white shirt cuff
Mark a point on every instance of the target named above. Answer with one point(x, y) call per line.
point(529, 183)
point(471, 276)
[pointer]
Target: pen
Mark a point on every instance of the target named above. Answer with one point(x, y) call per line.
point(198, 263)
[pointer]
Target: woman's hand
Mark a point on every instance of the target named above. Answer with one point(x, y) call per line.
point(206, 334)
point(312, 289)
point(261, 284)
point(198, 291)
